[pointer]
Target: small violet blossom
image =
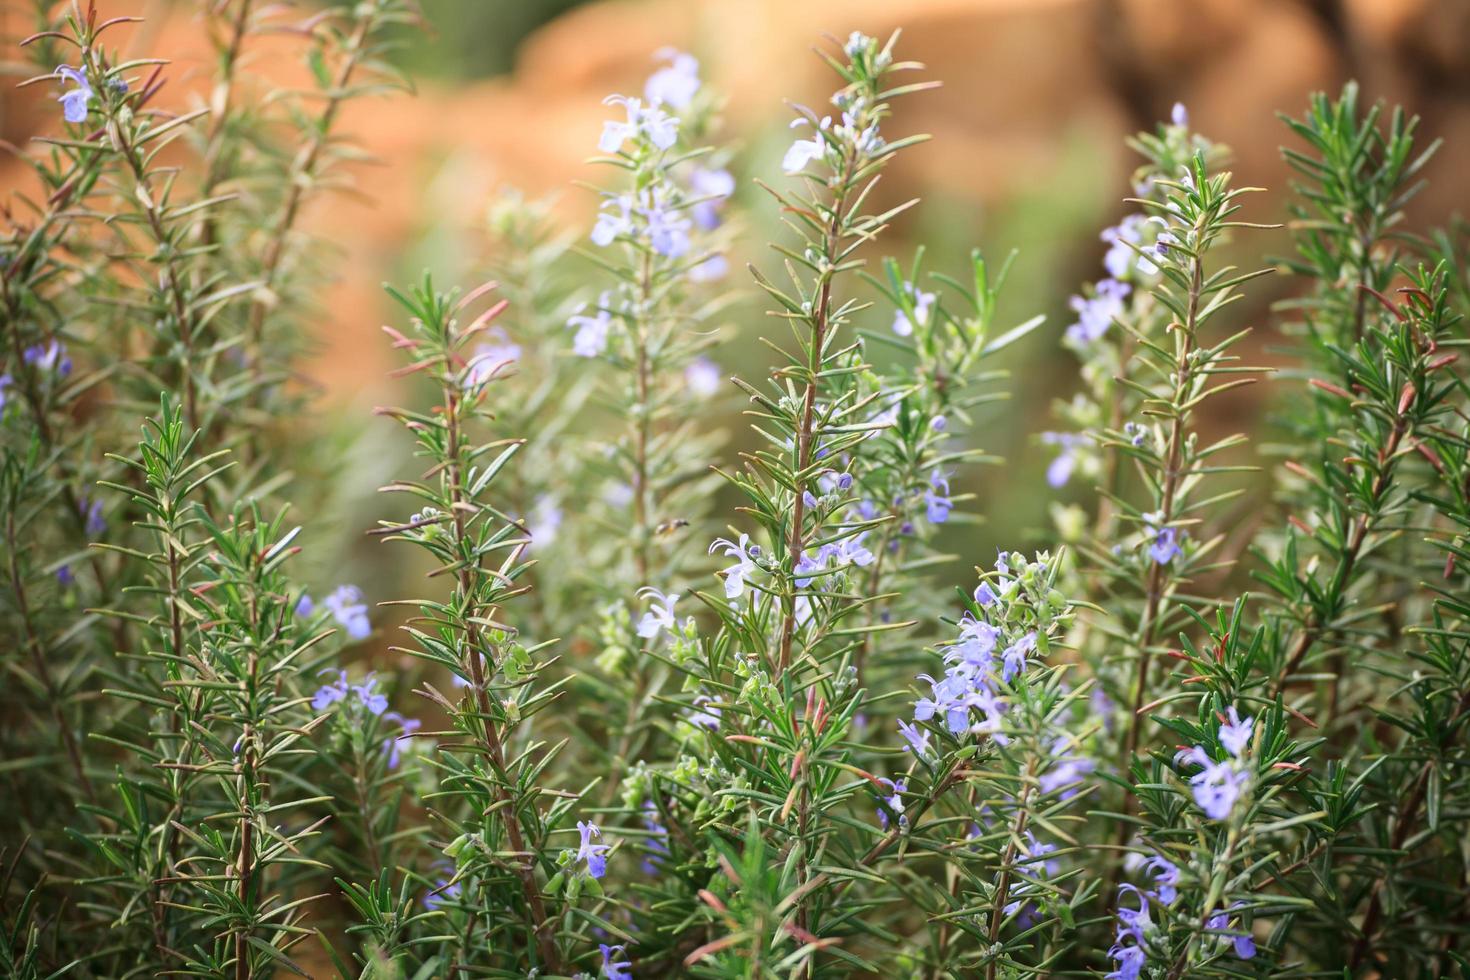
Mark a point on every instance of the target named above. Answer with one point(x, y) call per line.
point(892, 803)
point(703, 376)
point(937, 503)
point(735, 574)
point(1096, 314)
point(367, 694)
point(1243, 942)
point(712, 269)
point(660, 615)
point(394, 744)
point(614, 218)
point(713, 187)
point(51, 358)
point(612, 967)
point(1069, 455)
point(1164, 545)
point(646, 122)
point(74, 102)
point(803, 152)
point(922, 302)
point(594, 854)
point(490, 359)
point(676, 83)
point(1219, 785)
point(346, 606)
point(592, 328)
point(91, 510)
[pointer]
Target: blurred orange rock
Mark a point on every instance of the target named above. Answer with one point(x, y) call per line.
point(1025, 82)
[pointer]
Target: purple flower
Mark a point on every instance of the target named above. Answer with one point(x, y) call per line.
point(713, 187)
point(489, 359)
point(803, 152)
point(65, 577)
point(892, 803)
point(592, 329)
point(658, 841)
point(305, 607)
point(849, 551)
point(74, 102)
point(937, 504)
point(938, 423)
point(330, 694)
point(614, 218)
point(393, 744)
point(675, 83)
point(922, 301)
point(1130, 962)
point(96, 524)
point(51, 358)
point(1235, 734)
point(918, 738)
point(1179, 115)
point(369, 696)
point(712, 269)
point(1061, 468)
point(594, 854)
point(984, 594)
point(807, 567)
point(1132, 924)
point(346, 607)
point(5, 382)
point(645, 122)
point(1068, 771)
point(668, 230)
point(1096, 314)
point(1245, 945)
point(703, 376)
point(1120, 257)
point(1166, 878)
point(744, 565)
point(613, 968)
point(445, 889)
point(1217, 786)
point(1014, 657)
point(1165, 546)
point(660, 615)
point(544, 520)
point(706, 713)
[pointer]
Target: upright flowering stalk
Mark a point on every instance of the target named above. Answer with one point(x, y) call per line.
point(816, 413)
point(1216, 816)
point(1111, 317)
point(201, 836)
point(659, 236)
point(923, 400)
point(997, 723)
point(1161, 539)
point(49, 446)
point(508, 885)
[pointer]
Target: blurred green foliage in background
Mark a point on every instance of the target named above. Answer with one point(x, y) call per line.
point(476, 38)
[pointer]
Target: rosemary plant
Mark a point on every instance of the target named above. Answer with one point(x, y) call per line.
point(616, 737)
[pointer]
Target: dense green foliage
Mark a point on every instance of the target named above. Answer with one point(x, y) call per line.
point(615, 732)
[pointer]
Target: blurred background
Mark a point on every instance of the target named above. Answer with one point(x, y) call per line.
point(1028, 149)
